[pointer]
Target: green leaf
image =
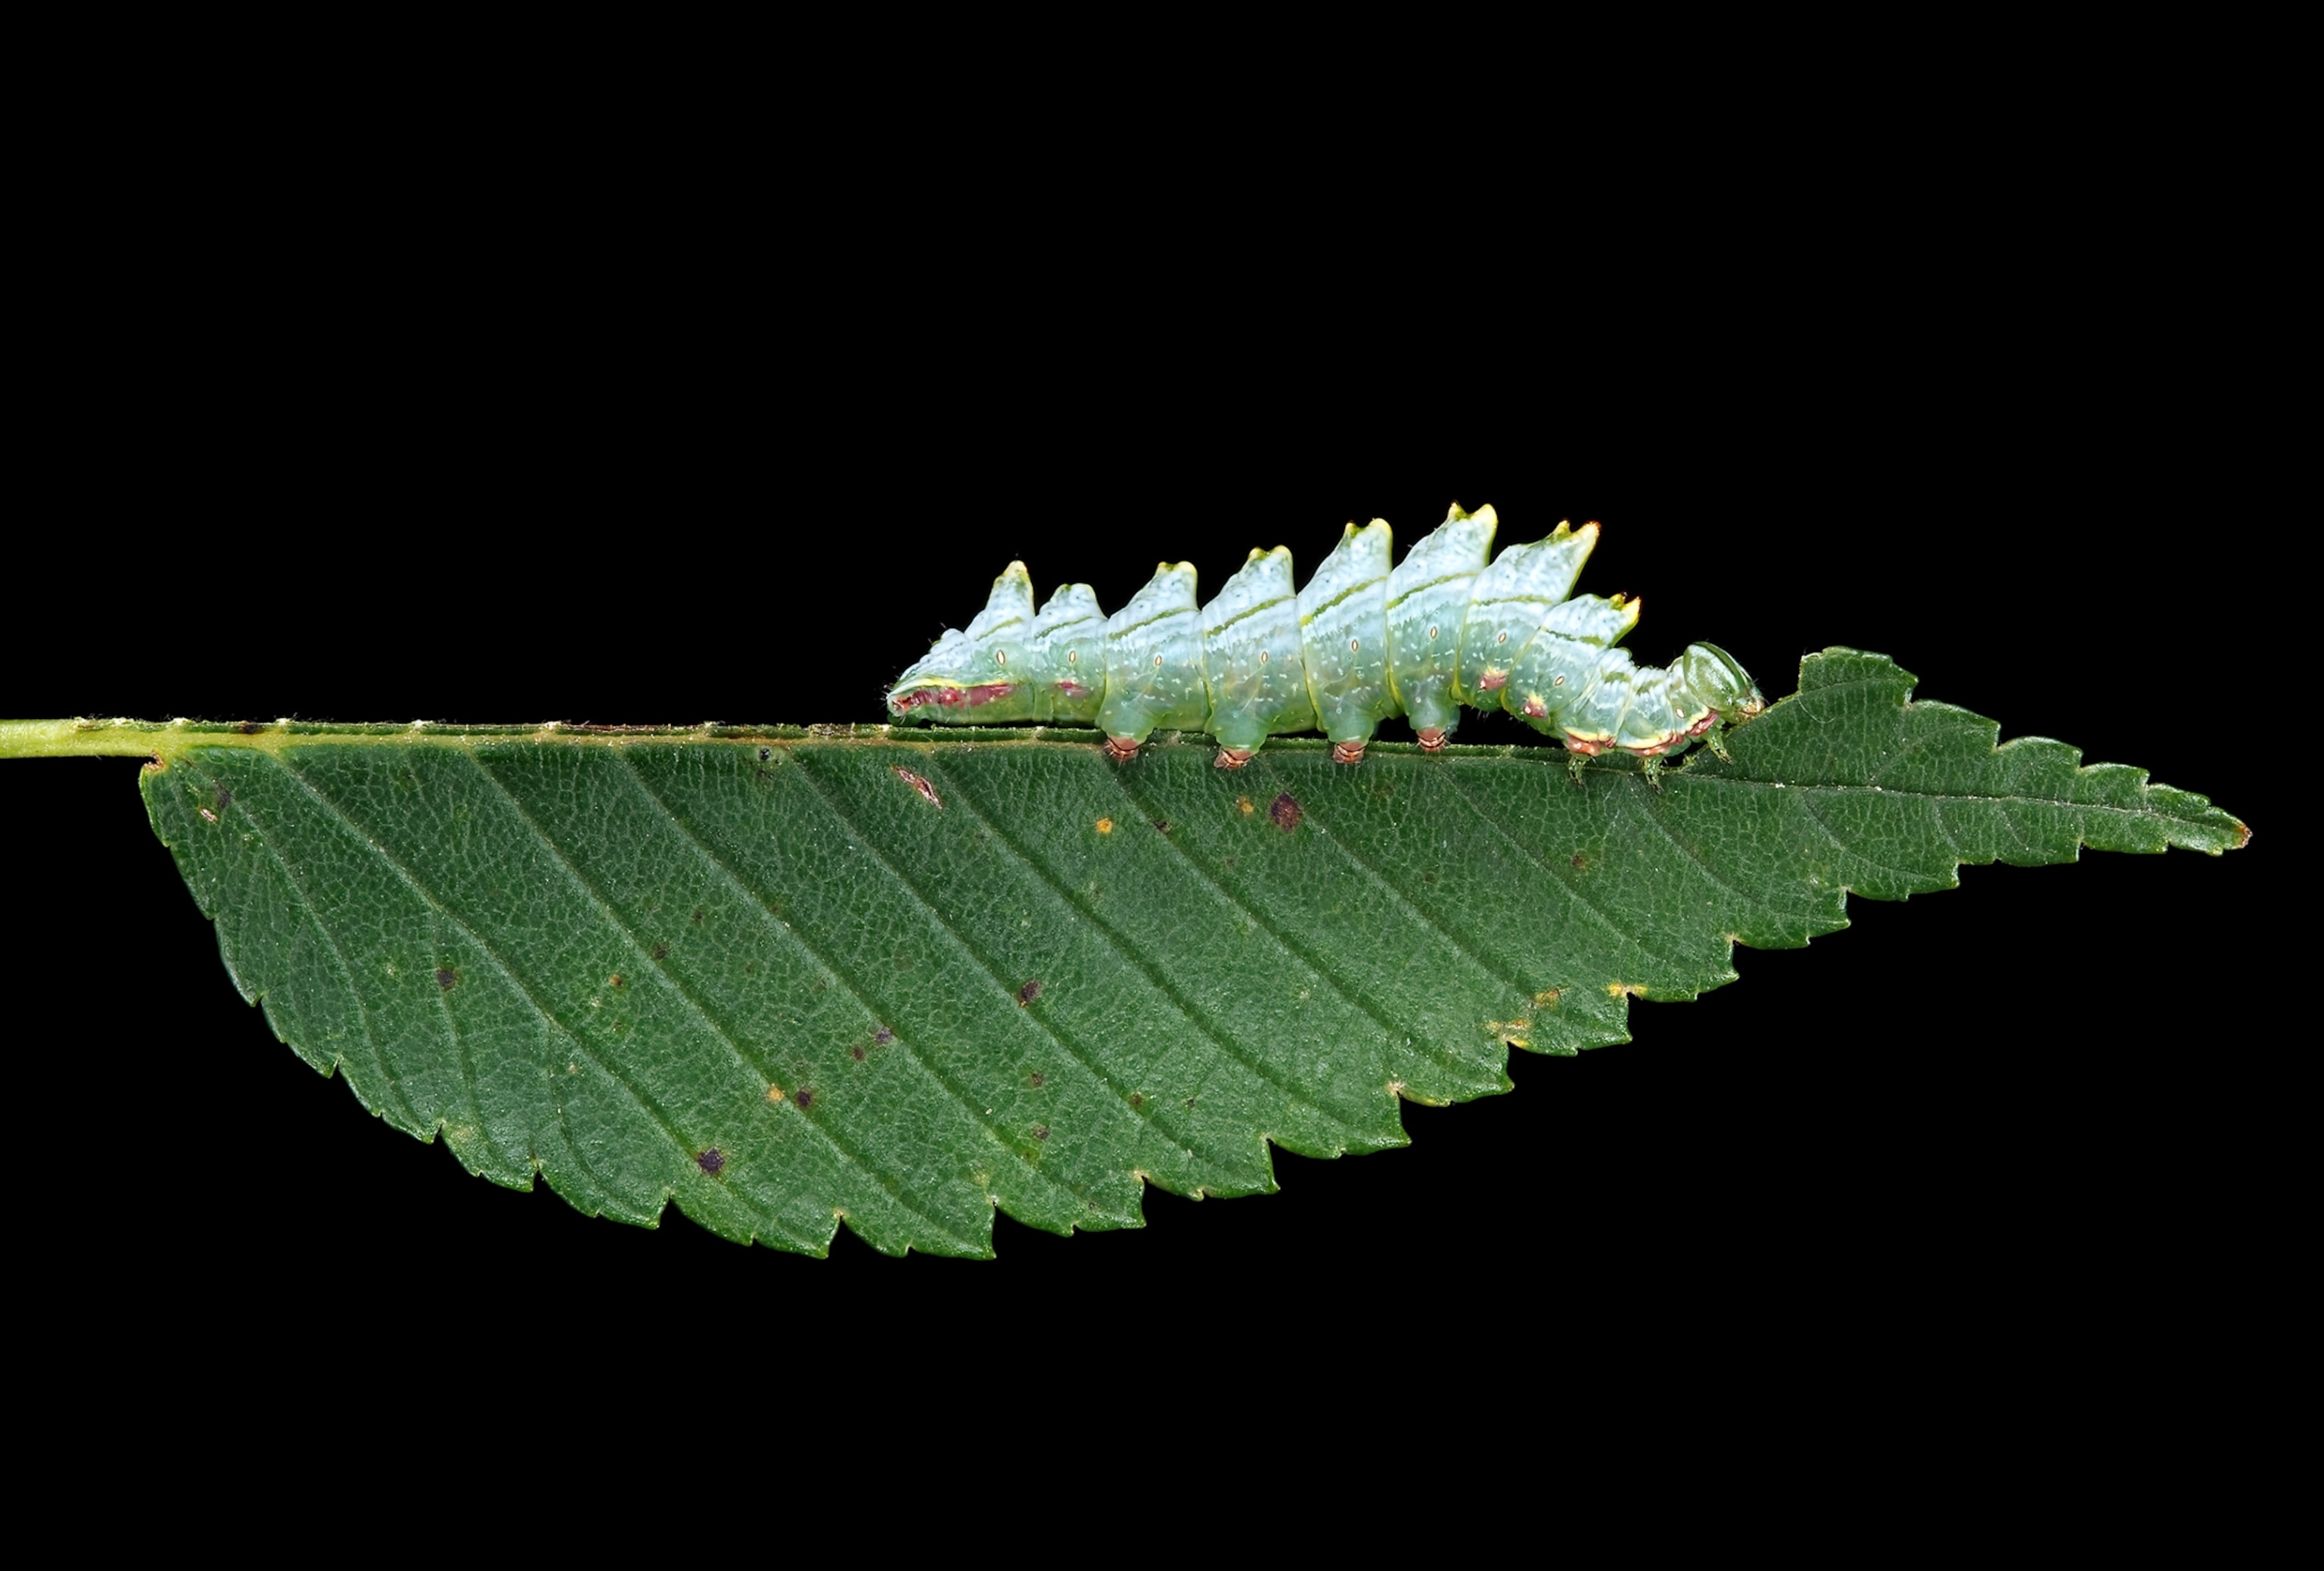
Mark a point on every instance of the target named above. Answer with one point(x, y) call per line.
point(789, 978)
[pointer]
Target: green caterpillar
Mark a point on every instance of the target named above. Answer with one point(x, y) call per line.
point(1359, 645)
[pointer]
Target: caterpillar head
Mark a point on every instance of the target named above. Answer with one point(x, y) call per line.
point(1712, 677)
point(978, 674)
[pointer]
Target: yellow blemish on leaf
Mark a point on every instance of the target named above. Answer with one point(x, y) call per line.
point(1242, 805)
point(1617, 989)
point(774, 1093)
point(1548, 995)
point(1105, 826)
point(1396, 1088)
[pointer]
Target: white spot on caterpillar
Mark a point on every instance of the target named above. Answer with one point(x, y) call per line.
point(1351, 646)
point(1158, 662)
point(1501, 637)
point(1432, 632)
point(1000, 657)
point(1262, 657)
point(1557, 681)
point(1072, 657)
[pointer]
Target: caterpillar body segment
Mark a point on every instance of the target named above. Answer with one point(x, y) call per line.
point(1363, 642)
point(1427, 602)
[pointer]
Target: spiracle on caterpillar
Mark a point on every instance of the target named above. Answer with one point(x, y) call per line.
point(1360, 644)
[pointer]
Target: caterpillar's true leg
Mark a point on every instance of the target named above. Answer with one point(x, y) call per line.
point(1712, 740)
point(1232, 758)
point(1654, 769)
point(1574, 760)
point(1347, 752)
point(1120, 749)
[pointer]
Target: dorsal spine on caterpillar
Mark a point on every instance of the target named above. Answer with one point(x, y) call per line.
point(1360, 644)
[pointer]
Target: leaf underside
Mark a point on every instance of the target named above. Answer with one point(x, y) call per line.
point(774, 979)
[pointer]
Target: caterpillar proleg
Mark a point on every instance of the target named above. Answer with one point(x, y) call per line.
point(1360, 644)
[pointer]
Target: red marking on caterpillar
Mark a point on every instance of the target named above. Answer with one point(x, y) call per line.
point(989, 692)
point(1533, 707)
point(1073, 690)
point(944, 698)
point(1493, 681)
point(1586, 748)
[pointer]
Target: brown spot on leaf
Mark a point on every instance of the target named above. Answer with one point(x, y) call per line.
point(712, 1161)
point(446, 978)
point(882, 1037)
point(1040, 1132)
point(919, 784)
point(1028, 992)
point(224, 797)
point(697, 914)
point(1580, 862)
point(805, 1098)
point(1039, 1078)
point(858, 1051)
point(1162, 824)
point(1286, 812)
point(250, 727)
point(613, 981)
point(1137, 1098)
point(661, 951)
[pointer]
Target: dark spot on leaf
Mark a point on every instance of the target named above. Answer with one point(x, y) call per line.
point(1040, 1132)
point(765, 754)
point(1162, 824)
point(224, 797)
point(806, 1099)
point(918, 783)
point(250, 727)
point(1286, 813)
point(661, 951)
point(697, 913)
point(1190, 1102)
point(1137, 1098)
point(712, 1161)
point(1227, 861)
point(1028, 992)
point(883, 1036)
point(1428, 878)
point(446, 977)
point(1038, 1077)
point(1578, 862)
point(613, 981)
point(858, 1050)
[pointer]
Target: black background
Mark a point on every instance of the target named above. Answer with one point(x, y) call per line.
point(750, 480)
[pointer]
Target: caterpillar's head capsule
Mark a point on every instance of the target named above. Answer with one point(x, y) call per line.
point(972, 671)
point(1712, 677)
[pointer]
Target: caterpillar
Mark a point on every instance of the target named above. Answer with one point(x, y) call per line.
point(1360, 644)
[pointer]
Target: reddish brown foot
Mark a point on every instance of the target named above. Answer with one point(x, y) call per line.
point(1232, 758)
point(1347, 752)
point(1433, 739)
point(1119, 749)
